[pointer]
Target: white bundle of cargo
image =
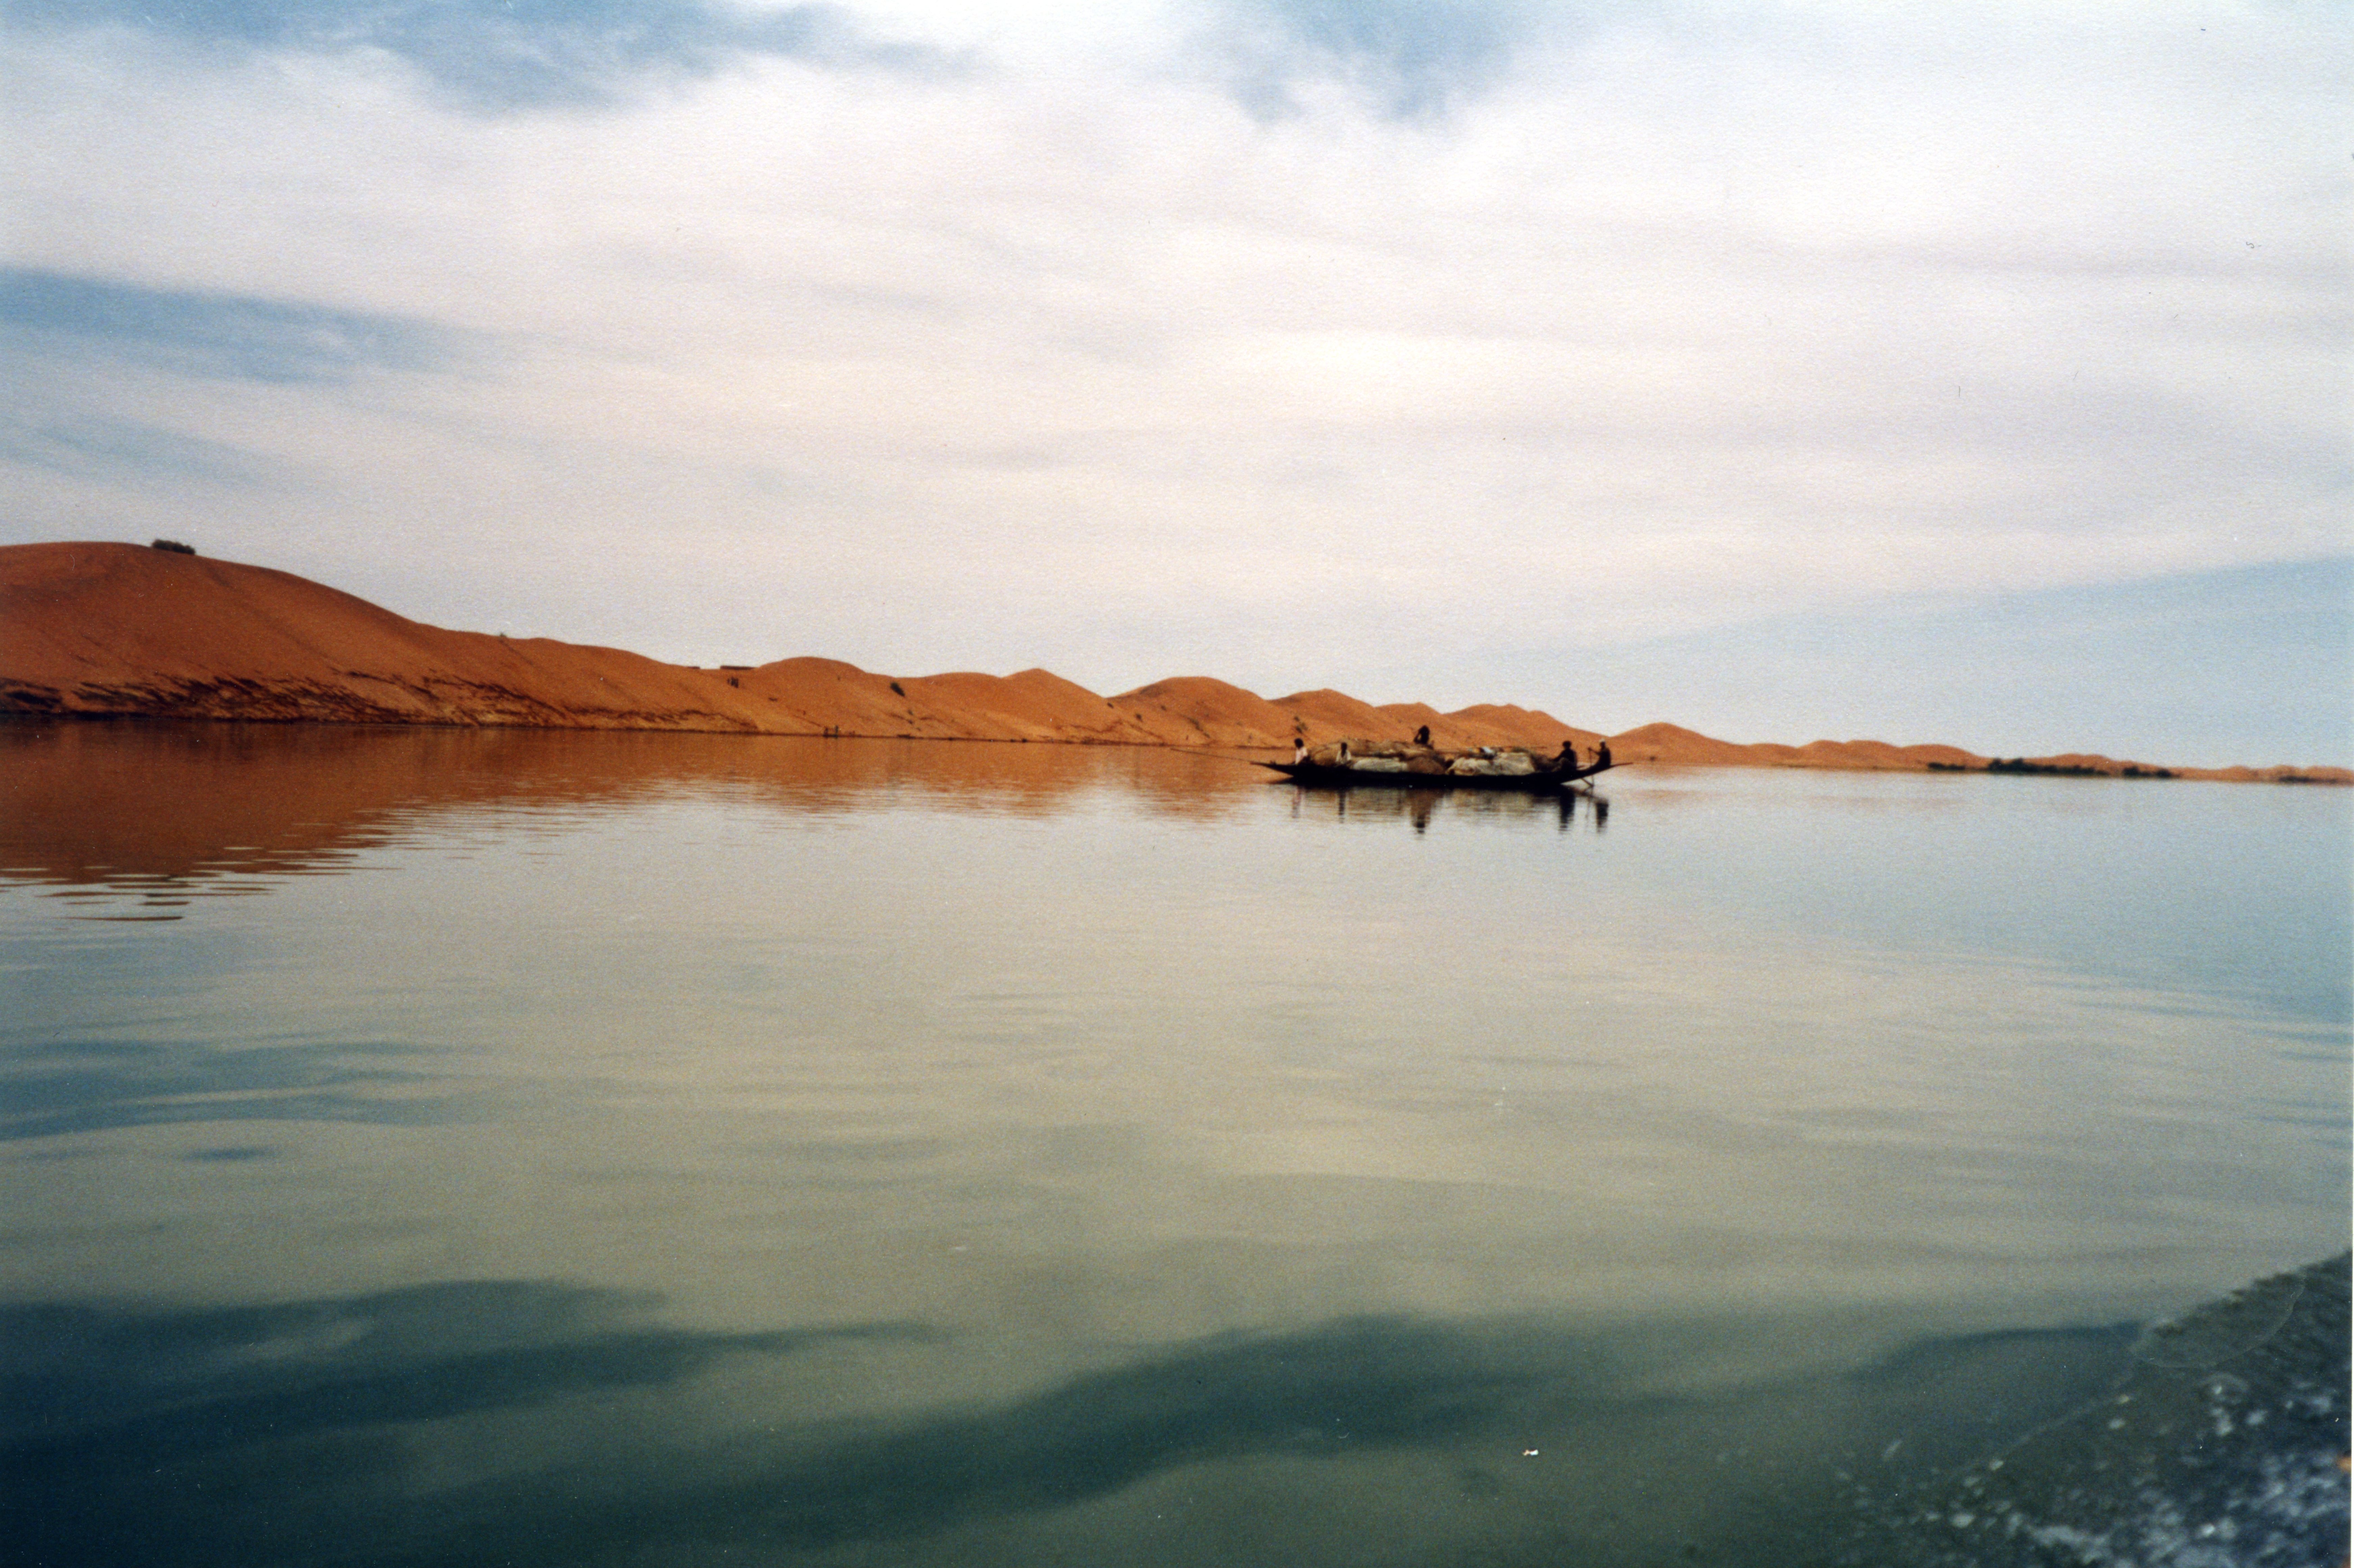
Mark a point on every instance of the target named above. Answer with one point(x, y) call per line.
point(1409, 757)
point(1378, 757)
point(1510, 764)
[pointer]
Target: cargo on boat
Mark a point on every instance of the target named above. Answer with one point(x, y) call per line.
point(1411, 765)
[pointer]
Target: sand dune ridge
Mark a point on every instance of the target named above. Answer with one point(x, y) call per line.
point(116, 630)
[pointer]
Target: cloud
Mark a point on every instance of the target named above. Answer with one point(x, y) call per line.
point(492, 57)
point(215, 335)
point(1493, 328)
point(96, 446)
point(1411, 61)
point(2249, 664)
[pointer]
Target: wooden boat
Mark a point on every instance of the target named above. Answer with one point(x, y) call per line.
point(1335, 777)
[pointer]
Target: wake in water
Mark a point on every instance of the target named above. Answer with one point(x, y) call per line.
point(2224, 1446)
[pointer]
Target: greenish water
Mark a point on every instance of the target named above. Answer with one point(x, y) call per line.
point(506, 1148)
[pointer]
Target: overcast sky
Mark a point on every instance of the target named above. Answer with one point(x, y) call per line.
point(1974, 373)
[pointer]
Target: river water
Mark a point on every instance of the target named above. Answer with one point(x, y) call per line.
point(499, 1146)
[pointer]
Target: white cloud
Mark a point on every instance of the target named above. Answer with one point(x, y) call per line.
point(1079, 354)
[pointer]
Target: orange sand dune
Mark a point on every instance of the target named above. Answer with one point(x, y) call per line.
point(1486, 724)
point(1044, 706)
point(110, 629)
point(1194, 710)
point(1939, 755)
point(1503, 724)
point(1325, 716)
point(817, 697)
point(114, 629)
point(1328, 715)
point(1672, 744)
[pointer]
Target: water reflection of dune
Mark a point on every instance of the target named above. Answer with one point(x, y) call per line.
point(260, 1435)
point(166, 809)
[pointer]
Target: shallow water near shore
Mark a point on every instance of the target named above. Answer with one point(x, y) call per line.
point(506, 1147)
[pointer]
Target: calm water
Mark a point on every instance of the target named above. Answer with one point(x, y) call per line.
point(500, 1147)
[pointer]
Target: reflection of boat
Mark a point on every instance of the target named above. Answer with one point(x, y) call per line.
point(1342, 776)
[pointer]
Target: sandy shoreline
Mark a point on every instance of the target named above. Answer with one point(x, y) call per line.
point(101, 630)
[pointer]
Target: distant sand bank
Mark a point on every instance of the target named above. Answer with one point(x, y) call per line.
point(111, 629)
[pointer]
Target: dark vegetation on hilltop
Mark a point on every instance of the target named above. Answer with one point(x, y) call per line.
point(2069, 769)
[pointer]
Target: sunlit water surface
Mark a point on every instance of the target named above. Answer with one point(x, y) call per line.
point(497, 1146)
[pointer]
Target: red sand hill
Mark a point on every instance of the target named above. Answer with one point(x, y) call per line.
point(104, 629)
point(107, 629)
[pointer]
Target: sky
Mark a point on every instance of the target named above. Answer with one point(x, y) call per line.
point(1964, 373)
